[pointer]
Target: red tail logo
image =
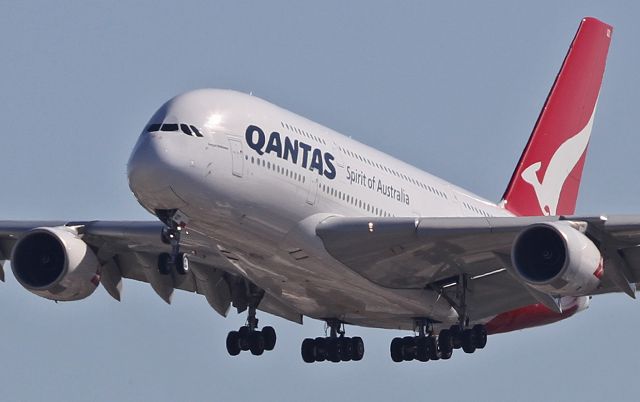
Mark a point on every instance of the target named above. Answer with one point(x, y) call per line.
point(547, 177)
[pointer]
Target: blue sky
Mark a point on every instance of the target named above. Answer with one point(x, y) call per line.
point(451, 87)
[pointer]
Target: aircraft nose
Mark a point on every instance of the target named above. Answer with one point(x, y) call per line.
point(143, 168)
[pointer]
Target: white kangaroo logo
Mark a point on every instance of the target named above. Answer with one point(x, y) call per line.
point(560, 166)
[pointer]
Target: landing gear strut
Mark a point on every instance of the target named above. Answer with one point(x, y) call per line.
point(171, 233)
point(334, 348)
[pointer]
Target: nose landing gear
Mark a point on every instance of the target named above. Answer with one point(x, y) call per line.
point(175, 260)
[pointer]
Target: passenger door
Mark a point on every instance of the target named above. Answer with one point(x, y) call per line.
point(237, 157)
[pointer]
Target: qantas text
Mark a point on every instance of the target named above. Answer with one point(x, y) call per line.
point(295, 151)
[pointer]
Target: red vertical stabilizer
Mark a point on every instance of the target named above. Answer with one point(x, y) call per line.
point(547, 177)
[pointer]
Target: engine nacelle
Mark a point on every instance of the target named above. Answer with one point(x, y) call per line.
point(557, 259)
point(56, 264)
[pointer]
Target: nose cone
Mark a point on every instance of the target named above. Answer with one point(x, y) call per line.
point(146, 168)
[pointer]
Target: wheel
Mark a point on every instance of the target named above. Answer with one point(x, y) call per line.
point(256, 343)
point(456, 336)
point(346, 349)
point(408, 348)
point(446, 355)
point(321, 349)
point(233, 343)
point(480, 335)
point(308, 350)
point(445, 342)
point(396, 350)
point(269, 335)
point(244, 343)
point(165, 266)
point(422, 349)
point(434, 353)
point(468, 341)
point(357, 346)
point(182, 264)
point(333, 350)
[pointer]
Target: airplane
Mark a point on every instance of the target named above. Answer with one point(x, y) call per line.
point(260, 209)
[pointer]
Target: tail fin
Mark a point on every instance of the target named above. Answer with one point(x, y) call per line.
point(547, 177)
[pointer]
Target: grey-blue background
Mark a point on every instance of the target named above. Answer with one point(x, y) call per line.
point(452, 87)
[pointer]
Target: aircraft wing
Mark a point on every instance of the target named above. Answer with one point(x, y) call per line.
point(130, 249)
point(436, 253)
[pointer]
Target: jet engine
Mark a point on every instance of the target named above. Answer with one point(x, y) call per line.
point(557, 259)
point(56, 264)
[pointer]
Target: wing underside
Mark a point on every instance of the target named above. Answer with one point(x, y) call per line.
point(439, 253)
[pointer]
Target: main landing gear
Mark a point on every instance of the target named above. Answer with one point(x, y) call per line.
point(426, 346)
point(248, 337)
point(171, 233)
point(334, 348)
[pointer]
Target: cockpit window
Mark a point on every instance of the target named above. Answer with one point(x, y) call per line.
point(195, 130)
point(185, 129)
point(169, 127)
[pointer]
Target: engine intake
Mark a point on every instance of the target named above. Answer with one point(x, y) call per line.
point(55, 263)
point(557, 259)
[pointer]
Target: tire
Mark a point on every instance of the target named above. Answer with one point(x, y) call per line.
point(345, 348)
point(269, 335)
point(256, 343)
point(357, 345)
point(233, 343)
point(164, 264)
point(244, 342)
point(434, 353)
point(422, 349)
point(182, 264)
point(445, 342)
point(396, 350)
point(456, 336)
point(321, 349)
point(468, 341)
point(408, 348)
point(308, 350)
point(446, 355)
point(333, 350)
point(480, 336)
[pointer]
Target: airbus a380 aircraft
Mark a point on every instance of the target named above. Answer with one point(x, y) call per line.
point(261, 209)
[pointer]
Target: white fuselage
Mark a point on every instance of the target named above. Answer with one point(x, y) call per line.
point(258, 181)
